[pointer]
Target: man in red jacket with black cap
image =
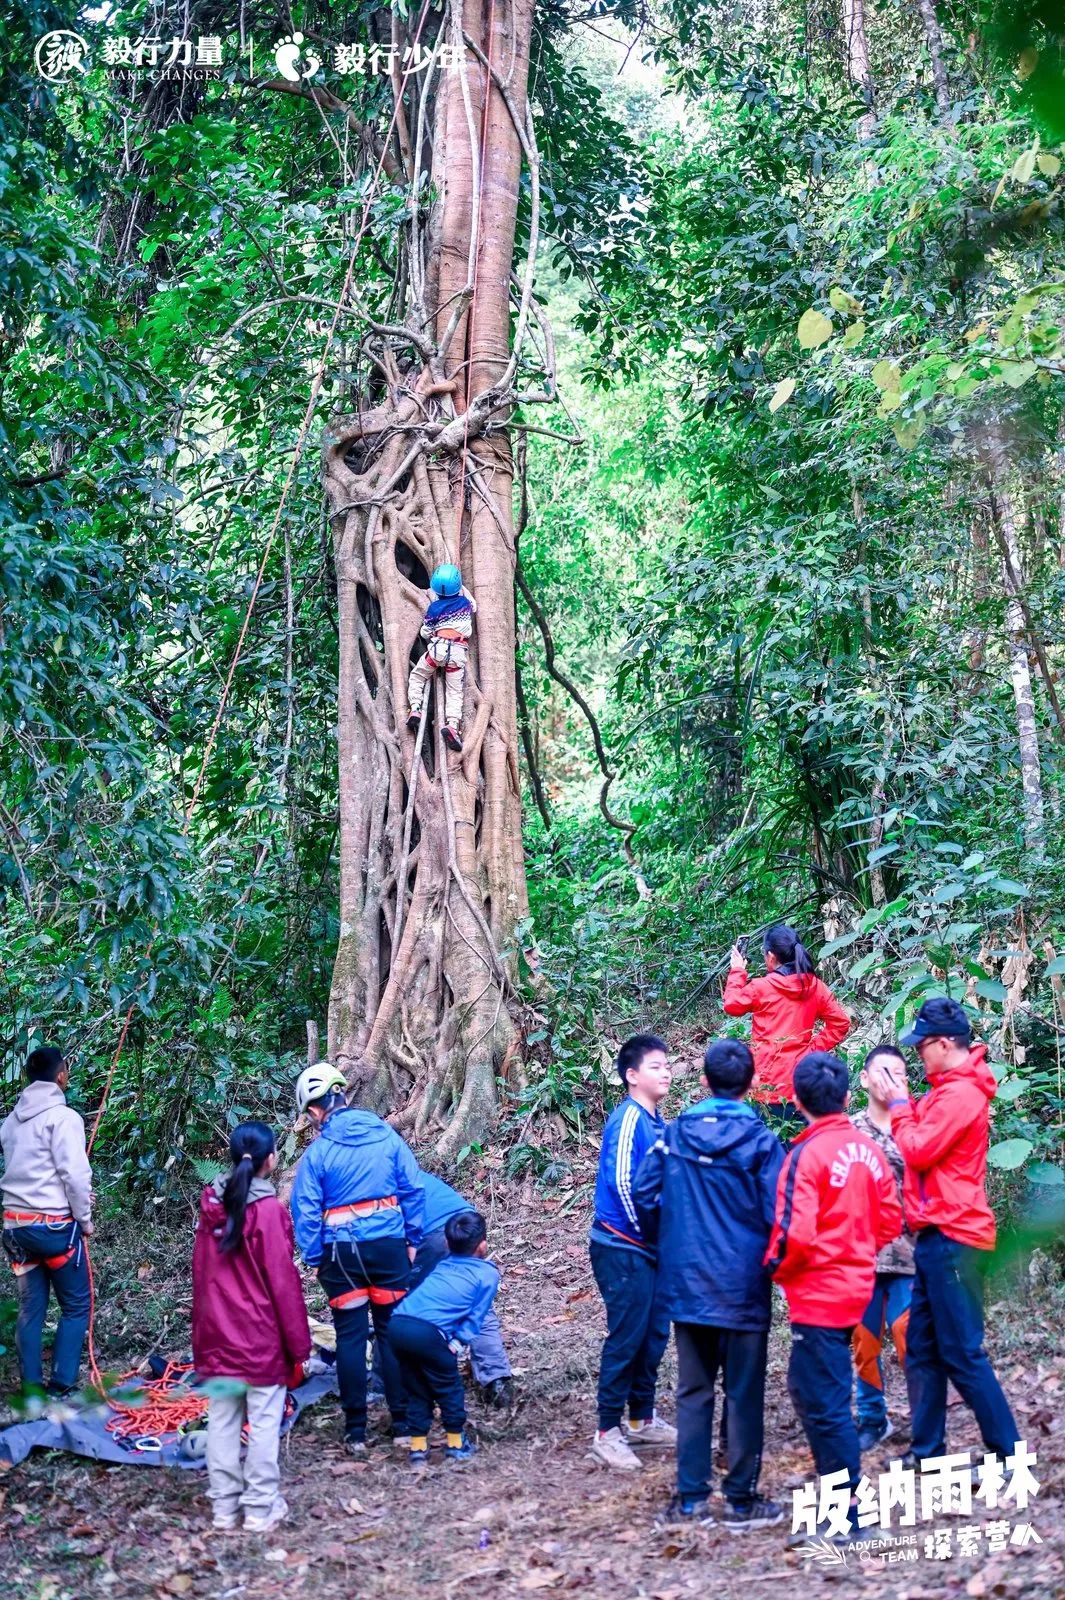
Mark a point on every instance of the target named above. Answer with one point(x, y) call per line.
point(837, 1206)
point(943, 1139)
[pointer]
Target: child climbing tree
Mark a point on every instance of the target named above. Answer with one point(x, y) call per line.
point(419, 473)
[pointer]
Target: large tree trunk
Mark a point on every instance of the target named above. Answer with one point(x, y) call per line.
point(432, 883)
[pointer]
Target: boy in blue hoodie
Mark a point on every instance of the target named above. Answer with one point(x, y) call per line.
point(706, 1193)
point(357, 1208)
point(623, 1262)
point(445, 1311)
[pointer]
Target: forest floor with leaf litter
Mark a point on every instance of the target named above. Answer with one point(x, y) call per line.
point(556, 1522)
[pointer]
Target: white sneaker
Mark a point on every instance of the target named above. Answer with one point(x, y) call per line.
point(656, 1434)
point(225, 1521)
point(610, 1448)
point(277, 1513)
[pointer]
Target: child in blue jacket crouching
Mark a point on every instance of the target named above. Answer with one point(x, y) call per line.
point(444, 1312)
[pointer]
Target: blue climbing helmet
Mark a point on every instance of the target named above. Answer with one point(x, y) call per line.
point(446, 580)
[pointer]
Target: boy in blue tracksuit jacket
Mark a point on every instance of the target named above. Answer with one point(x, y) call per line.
point(357, 1208)
point(445, 1311)
point(623, 1262)
point(706, 1193)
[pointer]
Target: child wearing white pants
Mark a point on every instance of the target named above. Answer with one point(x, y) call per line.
point(253, 1486)
point(250, 1334)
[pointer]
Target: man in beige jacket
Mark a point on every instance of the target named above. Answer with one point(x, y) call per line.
point(47, 1213)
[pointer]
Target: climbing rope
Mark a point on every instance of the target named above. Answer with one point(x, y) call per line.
point(476, 273)
point(169, 1408)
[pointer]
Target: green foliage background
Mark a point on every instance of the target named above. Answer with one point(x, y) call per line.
point(770, 563)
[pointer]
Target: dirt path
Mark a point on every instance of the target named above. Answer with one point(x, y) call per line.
point(555, 1522)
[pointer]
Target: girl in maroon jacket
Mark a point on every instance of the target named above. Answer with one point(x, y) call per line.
point(249, 1329)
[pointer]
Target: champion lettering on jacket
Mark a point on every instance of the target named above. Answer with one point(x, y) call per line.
point(629, 1133)
point(837, 1205)
point(846, 1158)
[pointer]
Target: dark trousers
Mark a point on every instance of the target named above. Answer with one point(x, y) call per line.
point(945, 1340)
point(820, 1381)
point(364, 1280)
point(430, 1374)
point(703, 1352)
point(55, 1258)
point(636, 1337)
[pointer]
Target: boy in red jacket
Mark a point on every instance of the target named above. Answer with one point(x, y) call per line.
point(943, 1139)
point(249, 1328)
point(837, 1205)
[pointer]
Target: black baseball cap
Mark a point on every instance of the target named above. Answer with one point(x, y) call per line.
point(939, 1018)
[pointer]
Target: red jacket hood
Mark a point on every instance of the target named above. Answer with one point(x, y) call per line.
point(975, 1070)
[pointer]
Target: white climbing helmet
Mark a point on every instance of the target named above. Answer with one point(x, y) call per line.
point(314, 1083)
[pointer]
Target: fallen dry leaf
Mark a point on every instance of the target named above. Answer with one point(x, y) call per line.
point(541, 1578)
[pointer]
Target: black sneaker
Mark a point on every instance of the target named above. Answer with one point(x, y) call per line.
point(355, 1445)
point(759, 1513)
point(59, 1391)
point(688, 1510)
point(870, 1434)
point(413, 720)
point(452, 740)
point(499, 1393)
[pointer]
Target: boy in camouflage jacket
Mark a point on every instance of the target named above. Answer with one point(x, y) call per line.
point(889, 1307)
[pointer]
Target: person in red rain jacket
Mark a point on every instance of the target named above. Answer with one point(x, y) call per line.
point(943, 1139)
point(249, 1327)
point(837, 1206)
point(792, 1012)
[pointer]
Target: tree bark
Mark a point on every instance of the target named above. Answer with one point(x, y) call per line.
point(1020, 670)
point(420, 1007)
point(859, 71)
point(934, 41)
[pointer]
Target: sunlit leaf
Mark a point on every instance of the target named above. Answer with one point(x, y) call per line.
point(782, 393)
point(814, 328)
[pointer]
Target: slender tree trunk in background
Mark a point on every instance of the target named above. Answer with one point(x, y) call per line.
point(432, 882)
point(1020, 669)
point(878, 794)
point(977, 631)
point(859, 71)
point(934, 41)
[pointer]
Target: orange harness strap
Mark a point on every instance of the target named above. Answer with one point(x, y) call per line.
point(371, 1293)
point(29, 1219)
point(362, 1208)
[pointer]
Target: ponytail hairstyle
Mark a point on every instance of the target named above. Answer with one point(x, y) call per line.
point(791, 953)
point(250, 1145)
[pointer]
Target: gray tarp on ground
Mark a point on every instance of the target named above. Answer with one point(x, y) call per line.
point(85, 1434)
